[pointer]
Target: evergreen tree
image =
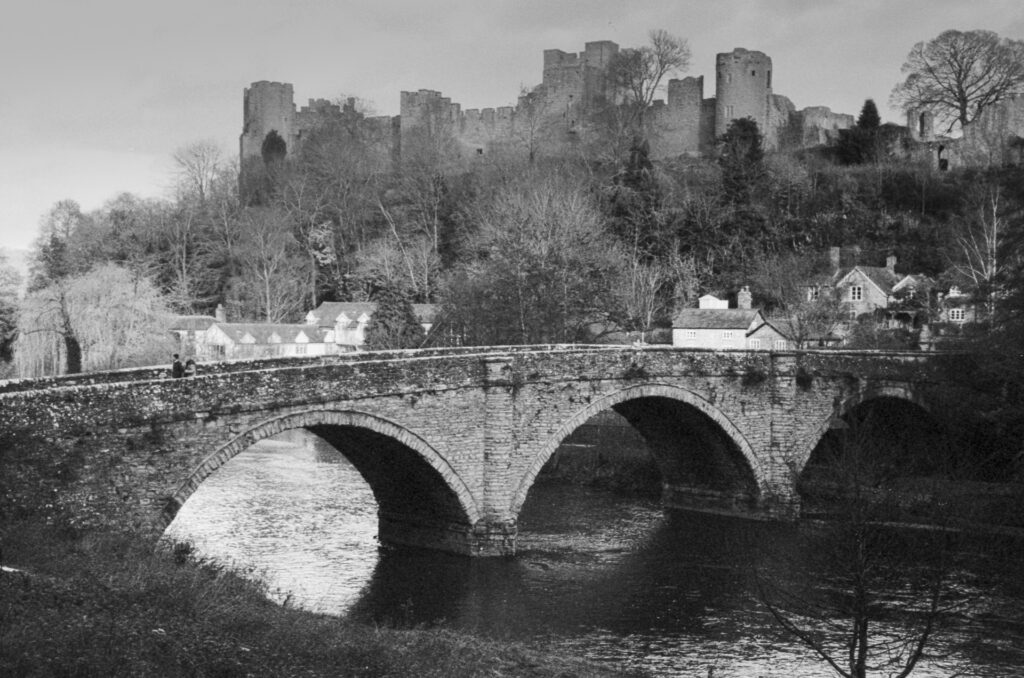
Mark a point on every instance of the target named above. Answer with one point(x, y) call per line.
point(869, 118)
point(861, 144)
point(393, 324)
point(741, 158)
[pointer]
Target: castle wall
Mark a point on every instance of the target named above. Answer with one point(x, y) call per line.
point(574, 86)
point(818, 125)
point(996, 136)
point(677, 125)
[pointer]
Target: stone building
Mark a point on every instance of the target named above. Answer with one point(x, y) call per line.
point(716, 326)
point(574, 87)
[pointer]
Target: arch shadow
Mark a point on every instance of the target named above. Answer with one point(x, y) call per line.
point(407, 453)
point(691, 402)
point(844, 407)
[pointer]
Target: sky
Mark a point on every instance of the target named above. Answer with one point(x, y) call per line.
point(96, 95)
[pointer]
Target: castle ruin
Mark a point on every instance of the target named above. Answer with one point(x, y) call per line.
point(557, 112)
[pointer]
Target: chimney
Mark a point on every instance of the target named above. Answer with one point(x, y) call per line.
point(743, 298)
point(833, 257)
point(890, 263)
point(219, 314)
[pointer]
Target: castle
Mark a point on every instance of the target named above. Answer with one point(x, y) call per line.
point(575, 86)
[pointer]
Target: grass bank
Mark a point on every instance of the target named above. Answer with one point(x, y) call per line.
point(102, 604)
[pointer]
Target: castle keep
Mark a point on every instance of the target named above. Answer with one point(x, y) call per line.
point(557, 112)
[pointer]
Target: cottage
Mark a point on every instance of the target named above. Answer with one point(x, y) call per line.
point(715, 325)
point(222, 341)
point(344, 322)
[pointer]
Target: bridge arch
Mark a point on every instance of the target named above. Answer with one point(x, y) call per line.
point(843, 407)
point(635, 393)
point(322, 422)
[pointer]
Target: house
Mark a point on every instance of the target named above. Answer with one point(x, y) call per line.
point(714, 325)
point(344, 322)
point(863, 289)
point(911, 303)
point(220, 341)
point(190, 331)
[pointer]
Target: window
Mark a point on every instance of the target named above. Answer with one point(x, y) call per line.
point(957, 315)
point(479, 151)
point(780, 345)
point(753, 73)
point(769, 78)
point(300, 349)
point(728, 335)
point(856, 293)
point(691, 334)
point(813, 293)
point(755, 344)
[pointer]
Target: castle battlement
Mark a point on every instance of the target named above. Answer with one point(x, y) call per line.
point(574, 85)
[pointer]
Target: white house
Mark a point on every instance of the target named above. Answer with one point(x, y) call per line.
point(221, 341)
point(715, 325)
point(344, 322)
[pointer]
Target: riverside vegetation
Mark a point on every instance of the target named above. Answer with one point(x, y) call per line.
point(103, 604)
point(100, 603)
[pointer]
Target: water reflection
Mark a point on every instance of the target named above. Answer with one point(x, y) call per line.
point(600, 576)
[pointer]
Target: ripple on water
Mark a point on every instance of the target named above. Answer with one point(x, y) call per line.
point(600, 576)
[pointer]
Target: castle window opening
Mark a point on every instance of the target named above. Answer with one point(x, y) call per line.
point(479, 151)
point(753, 73)
point(769, 78)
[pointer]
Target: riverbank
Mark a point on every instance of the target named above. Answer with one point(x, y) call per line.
point(103, 604)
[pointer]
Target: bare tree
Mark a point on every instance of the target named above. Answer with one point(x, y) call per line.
point(979, 242)
point(638, 73)
point(543, 269)
point(198, 166)
point(865, 598)
point(270, 286)
point(959, 74)
point(115, 317)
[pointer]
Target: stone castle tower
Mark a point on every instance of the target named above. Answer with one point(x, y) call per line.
point(743, 89)
point(573, 86)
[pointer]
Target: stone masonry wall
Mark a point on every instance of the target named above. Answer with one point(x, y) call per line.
point(483, 422)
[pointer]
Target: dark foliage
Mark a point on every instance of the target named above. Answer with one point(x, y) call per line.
point(393, 324)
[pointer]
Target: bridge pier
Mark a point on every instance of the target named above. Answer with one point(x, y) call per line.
point(485, 539)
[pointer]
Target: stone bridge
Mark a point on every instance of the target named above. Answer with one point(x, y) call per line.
point(450, 441)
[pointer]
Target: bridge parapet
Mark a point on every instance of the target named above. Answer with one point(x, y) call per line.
point(481, 422)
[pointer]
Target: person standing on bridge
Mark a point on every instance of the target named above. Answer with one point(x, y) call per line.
point(177, 369)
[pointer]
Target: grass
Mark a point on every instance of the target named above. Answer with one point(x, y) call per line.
point(108, 604)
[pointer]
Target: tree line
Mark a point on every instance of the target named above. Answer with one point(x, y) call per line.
point(517, 246)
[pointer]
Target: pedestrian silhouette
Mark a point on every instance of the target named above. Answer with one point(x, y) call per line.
point(177, 369)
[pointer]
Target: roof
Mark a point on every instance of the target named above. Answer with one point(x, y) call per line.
point(915, 282)
point(189, 323)
point(883, 278)
point(326, 314)
point(715, 318)
point(262, 332)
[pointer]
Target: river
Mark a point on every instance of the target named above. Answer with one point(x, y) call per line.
point(602, 576)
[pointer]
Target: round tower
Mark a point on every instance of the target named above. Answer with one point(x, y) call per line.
point(743, 88)
point(266, 106)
